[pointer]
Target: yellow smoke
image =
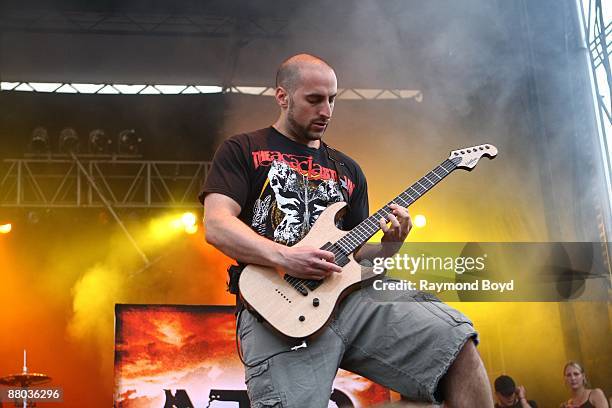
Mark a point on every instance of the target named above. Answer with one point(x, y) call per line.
point(95, 294)
point(109, 281)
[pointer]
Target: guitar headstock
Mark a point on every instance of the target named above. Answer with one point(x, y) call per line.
point(467, 158)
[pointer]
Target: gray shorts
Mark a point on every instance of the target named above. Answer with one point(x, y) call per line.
point(405, 342)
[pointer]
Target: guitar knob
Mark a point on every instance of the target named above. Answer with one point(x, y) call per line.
point(315, 302)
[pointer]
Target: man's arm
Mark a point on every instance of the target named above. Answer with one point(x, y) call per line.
point(225, 231)
point(522, 395)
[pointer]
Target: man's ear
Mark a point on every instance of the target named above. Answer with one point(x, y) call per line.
point(282, 97)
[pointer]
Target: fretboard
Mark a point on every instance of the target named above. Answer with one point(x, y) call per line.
point(368, 227)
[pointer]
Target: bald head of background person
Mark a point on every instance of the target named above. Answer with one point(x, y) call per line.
point(306, 88)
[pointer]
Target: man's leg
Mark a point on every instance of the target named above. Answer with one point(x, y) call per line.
point(409, 342)
point(466, 383)
point(277, 377)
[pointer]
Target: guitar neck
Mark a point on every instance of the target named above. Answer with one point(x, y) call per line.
point(370, 226)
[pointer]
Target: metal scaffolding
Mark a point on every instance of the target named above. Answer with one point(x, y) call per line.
point(87, 182)
point(71, 181)
point(597, 32)
point(153, 89)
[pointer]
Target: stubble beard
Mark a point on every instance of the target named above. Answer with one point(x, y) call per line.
point(300, 130)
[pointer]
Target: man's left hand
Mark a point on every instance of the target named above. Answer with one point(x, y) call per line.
point(399, 226)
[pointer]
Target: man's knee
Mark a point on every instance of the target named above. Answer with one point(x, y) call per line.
point(468, 357)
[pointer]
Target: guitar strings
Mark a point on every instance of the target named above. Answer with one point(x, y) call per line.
point(356, 236)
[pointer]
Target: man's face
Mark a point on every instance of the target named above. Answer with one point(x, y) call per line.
point(311, 104)
point(506, 400)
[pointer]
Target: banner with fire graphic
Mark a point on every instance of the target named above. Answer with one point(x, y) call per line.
point(185, 357)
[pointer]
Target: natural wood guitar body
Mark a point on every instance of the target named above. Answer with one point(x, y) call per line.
point(281, 305)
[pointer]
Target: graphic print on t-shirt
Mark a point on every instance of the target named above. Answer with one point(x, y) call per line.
point(294, 195)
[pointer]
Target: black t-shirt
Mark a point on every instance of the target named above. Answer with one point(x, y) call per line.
point(283, 186)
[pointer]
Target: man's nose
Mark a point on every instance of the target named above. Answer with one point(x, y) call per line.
point(326, 110)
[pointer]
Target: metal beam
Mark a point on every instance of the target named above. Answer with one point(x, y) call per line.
point(53, 182)
point(226, 87)
point(109, 207)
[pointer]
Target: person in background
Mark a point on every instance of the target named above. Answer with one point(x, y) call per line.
point(581, 396)
point(509, 395)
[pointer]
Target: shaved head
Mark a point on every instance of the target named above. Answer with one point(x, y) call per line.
point(306, 88)
point(289, 73)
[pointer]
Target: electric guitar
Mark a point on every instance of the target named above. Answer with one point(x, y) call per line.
point(299, 308)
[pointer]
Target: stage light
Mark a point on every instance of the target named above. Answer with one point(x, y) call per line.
point(40, 140)
point(191, 229)
point(5, 228)
point(189, 223)
point(188, 219)
point(99, 142)
point(419, 221)
point(170, 225)
point(129, 142)
point(68, 141)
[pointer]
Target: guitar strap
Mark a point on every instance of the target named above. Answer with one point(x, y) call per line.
point(340, 168)
point(233, 274)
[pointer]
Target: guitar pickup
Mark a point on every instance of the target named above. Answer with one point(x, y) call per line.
point(313, 284)
point(296, 284)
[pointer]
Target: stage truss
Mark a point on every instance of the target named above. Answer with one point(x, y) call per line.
point(597, 34)
point(61, 181)
point(158, 89)
point(70, 181)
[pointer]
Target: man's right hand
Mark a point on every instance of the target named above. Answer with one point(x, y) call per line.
point(307, 262)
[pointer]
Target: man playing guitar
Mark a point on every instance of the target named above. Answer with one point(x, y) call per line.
point(263, 193)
